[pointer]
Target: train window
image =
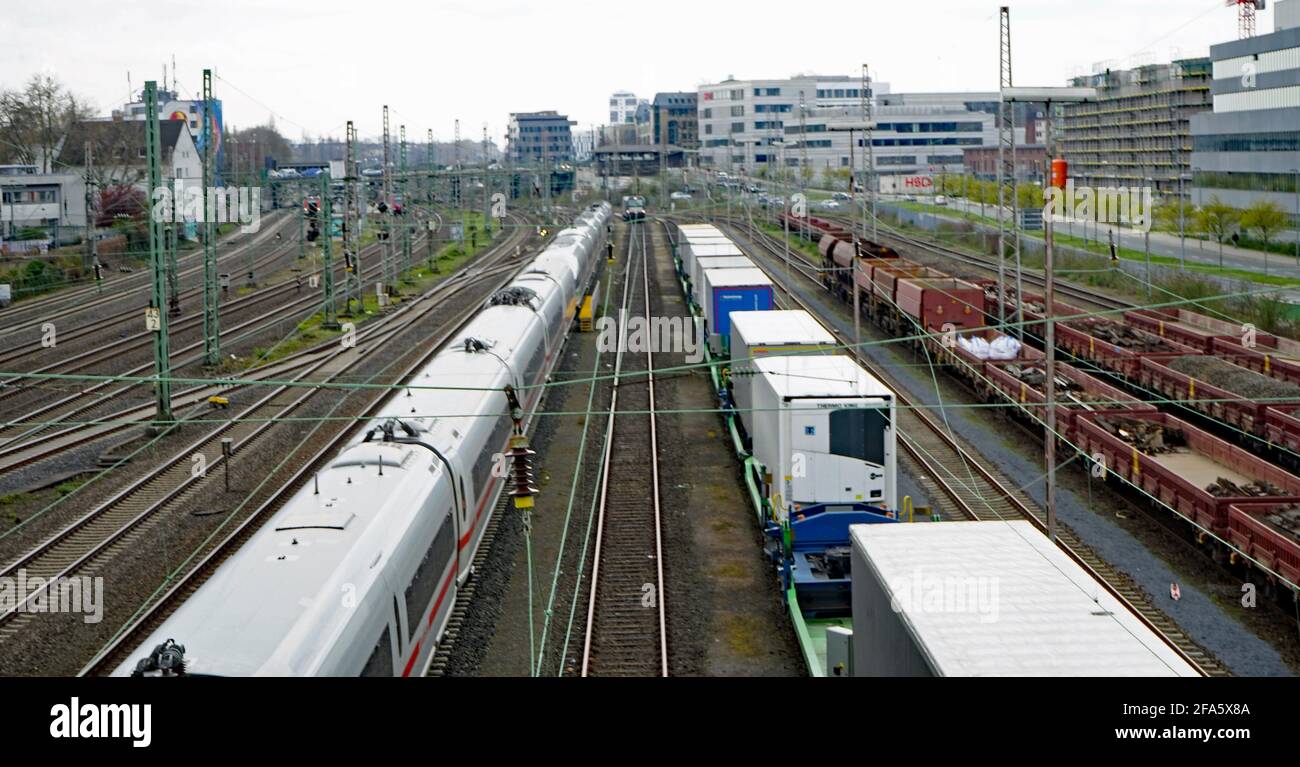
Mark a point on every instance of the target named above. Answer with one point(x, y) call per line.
point(535, 364)
point(859, 433)
point(424, 585)
point(381, 658)
point(397, 621)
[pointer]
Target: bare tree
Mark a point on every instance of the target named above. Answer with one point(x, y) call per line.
point(33, 120)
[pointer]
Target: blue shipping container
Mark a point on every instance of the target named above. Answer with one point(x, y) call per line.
point(728, 300)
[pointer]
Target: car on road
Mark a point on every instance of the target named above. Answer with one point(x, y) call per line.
point(828, 205)
point(679, 196)
point(841, 196)
point(940, 200)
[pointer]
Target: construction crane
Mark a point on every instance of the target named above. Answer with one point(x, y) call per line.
point(1246, 16)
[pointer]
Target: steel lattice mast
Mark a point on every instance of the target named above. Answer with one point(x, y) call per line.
point(387, 253)
point(156, 320)
point(211, 286)
point(402, 189)
point(1008, 231)
point(329, 312)
point(352, 287)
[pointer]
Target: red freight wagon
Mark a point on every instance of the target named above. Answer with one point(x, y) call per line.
point(1179, 478)
point(1273, 547)
point(1282, 426)
point(1195, 330)
point(1218, 403)
point(1078, 338)
point(1261, 359)
point(1084, 393)
point(938, 301)
point(1033, 309)
point(884, 279)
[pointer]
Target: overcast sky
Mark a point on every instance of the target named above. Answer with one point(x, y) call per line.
point(317, 63)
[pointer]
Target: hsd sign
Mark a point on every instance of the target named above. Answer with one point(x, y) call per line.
point(916, 184)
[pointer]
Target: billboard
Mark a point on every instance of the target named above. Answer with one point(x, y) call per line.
point(913, 184)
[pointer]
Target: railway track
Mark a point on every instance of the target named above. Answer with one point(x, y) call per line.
point(30, 315)
point(975, 489)
point(1028, 276)
point(88, 543)
point(26, 440)
point(626, 628)
point(109, 327)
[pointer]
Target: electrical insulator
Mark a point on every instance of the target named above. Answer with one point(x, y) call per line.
point(521, 461)
point(99, 272)
point(347, 262)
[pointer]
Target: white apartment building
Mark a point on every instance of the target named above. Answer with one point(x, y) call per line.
point(744, 121)
point(622, 108)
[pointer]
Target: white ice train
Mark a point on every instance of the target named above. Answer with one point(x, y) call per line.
point(358, 572)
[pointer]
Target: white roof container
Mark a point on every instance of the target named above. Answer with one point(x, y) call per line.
point(716, 262)
point(823, 428)
point(989, 599)
point(763, 334)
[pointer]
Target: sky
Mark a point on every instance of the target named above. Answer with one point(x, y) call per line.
point(435, 62)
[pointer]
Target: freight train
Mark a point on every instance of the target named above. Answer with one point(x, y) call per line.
point(1242, 509)
point(357, 573)
point(814, 430)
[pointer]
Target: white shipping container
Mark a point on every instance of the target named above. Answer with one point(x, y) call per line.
point(715, 262)
point(6, 295)
point(693, 249)
point(989, 599)
point(823, 428)
point(768, 334)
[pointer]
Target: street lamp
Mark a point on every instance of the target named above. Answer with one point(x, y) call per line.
point(1048, 96)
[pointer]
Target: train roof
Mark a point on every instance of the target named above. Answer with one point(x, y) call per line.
point(276, 605)
point(829, 375)
point(726, 262)
point(736, 278)
point(780, 326)
point(1045, 616)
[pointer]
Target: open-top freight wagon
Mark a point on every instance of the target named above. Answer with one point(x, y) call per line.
point(1190, 470)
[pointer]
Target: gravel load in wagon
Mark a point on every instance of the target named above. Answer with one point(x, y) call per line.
point(1234, 378)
